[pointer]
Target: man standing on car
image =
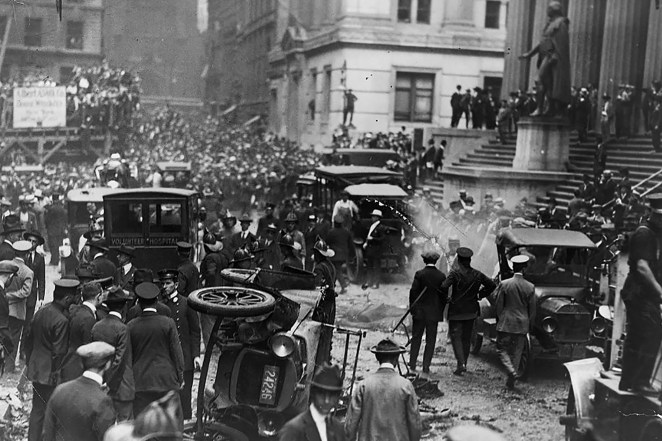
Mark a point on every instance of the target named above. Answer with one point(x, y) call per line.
point(469, 285)
point(642, 295)
point(384, 406)
point(317, 422)
point(427, 309)
point(188, 329)
point(515, 310)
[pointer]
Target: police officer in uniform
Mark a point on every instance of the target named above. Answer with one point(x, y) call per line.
point(325, 310)
point(188, 272)
point(188, 329)
point(469, 285)
point(642, 295)
point(124, 274)
point(100, 264)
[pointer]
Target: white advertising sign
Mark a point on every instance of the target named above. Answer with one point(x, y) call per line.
point(40, 107)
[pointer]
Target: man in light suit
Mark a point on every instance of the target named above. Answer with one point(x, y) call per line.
point(17, 292)
point(385, 405)
point(37, 264)
point(426, 311)
point(516, 309)
point(316, 423)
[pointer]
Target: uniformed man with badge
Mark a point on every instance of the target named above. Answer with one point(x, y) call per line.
point(188, 329)
point(469, 285)
point(188, 272)
point(126, 271)
point(642, 295)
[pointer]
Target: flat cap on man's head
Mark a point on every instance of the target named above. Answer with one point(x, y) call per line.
point(464, 252)
point(147, 291)
point(430, 255)
point(8, 267)
point(97, 351)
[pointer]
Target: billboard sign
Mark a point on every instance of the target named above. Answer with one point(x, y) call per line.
point(40, 107)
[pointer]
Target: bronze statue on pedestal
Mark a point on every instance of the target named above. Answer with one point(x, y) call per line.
point(553, 82)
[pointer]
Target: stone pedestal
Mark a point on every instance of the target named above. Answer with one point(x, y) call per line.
point(542, 144)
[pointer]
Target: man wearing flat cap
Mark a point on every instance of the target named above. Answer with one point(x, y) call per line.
point(82, 319)
point(188, 330)
point(469, 285)
point(45, 348)
point(158, 361)
point(100, 264)
point(384, 406)
point(317, 422)
point(515, 310)
point(188, 272)
point(126, 270)
point(113, 331)
point(17, 292)
point(80, 410)
point(642, 295)
point(7, 270)
point(427, 309)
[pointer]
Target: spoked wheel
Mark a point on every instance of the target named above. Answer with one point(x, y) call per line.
point(231, 301)
point(355, 268)
point(525, 360)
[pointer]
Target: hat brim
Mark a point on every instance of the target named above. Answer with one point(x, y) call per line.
point(40, 239)
point(326, 387)
point(399, 350)
point(327, 253)
point(12, 230)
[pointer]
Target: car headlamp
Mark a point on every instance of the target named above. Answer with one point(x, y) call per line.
point(282, 344)
point(599, 325)
point(549, 324)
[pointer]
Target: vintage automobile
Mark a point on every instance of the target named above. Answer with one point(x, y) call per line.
point(260, 356)
point(83, 206)
point(176, 174)
point(563, 265)
point(597, 410)
point(153, 221)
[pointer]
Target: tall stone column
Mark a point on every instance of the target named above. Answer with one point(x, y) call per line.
point(653, 64)
point(624, 44)
point(459, 13)
point(518, 41)
point(587, 19)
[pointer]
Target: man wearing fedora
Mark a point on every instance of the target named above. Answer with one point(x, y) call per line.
point(515, 310)
point(12, 231)
point(427, 309)
point(188, 272)
point(268, 251)
point(325, 311)
point(188, 330)
point(125, 272)
point(384, 406)
point(45, 348)
point(80, 410)
point(100, 263)
point(244, 237)
point(317, 423)
point(158, 361)
point(17, 292)
point(35, 261)
point(373, 249)
point(469, 285)
point(642, 295)
point(113, 331)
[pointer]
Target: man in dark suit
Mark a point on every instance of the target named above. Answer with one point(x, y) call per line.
point(56, 226)
point(37, 264)
point(188, 272)
point(11, 232)
point(45, 349)
point(373, 249)
point(100, 264)
point(427, 309)
point(325, 310)
point(340, 241)
point(516, 310)
point(124, 274)
point(317, 423)
point(268, 252)
point(145, 275)
point(267, 219)
point(7, 270)
point(80, 410)
point(82, 319)
point(188, 329)
point(158, 361)
point(243, 238)
point(113, 331)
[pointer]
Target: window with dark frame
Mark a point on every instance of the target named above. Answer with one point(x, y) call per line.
point(423, 12)
point(32, 35)
point(404, 11)
point(492, 14)
point(74, 35)
point(413, 97)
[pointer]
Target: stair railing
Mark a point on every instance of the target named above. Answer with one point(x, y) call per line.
point(639, 184)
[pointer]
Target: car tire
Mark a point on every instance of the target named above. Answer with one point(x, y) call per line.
point(652, 430)
point(525, 361)
point(355, 268)
point(229, 301)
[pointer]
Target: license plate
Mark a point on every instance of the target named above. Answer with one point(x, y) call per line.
point(269, 382)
